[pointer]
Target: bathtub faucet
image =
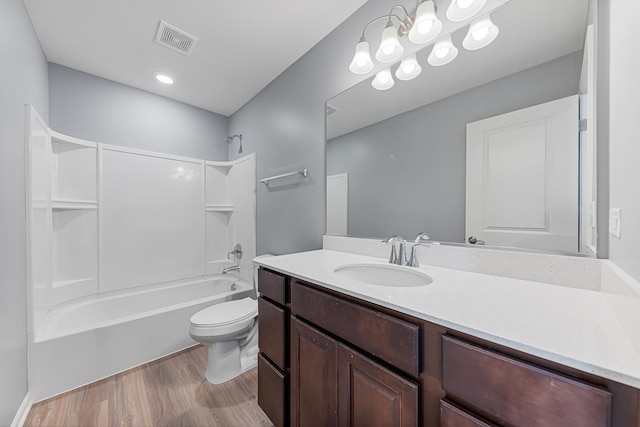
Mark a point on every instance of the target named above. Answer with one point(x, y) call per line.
point(232, 268)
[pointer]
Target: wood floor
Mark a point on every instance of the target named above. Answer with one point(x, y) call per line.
point(168, 392)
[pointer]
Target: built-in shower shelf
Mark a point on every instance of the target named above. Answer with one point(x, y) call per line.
point(64, 283)
point(67, 204)
point(219, 208)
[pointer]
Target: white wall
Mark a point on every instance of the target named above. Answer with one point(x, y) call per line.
point(624, 133)
point(23, 79)
point(97, 109)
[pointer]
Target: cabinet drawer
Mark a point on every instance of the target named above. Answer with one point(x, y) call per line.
point(452, 416)
point(272, 285)
point(272, 321)
point(516, 393)
point(390, 339)
point(272, 397)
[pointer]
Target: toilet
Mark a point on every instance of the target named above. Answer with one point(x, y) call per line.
point(229, 330)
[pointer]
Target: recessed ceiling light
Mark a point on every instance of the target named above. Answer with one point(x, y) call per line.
point(163, 78)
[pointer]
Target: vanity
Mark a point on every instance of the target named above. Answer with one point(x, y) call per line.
point(468, 349)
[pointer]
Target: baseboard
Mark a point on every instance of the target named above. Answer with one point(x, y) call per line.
point(23, 411)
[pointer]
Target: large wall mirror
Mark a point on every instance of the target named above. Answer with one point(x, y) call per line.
point(497, 147)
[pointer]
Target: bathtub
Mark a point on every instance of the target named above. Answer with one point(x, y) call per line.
point(89, 339)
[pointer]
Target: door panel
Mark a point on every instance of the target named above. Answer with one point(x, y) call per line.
point(522, 177)
point(314, 377)
point(372, 396)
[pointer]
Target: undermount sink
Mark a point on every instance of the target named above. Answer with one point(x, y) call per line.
point(383, 275)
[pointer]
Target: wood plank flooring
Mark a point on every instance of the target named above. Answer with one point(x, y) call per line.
point(171, 391)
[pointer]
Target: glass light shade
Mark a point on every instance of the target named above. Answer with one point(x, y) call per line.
point(461, 10)
point(481, 33)
point(362, 62)
point(409, 68)
point(427, 25)
point(383, 80)
point(443, 52)
point(390, 48)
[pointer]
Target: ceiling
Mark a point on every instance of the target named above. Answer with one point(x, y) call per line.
point(529, 35)
point(243, 45)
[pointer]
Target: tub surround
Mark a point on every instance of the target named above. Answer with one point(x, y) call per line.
point(588, 329)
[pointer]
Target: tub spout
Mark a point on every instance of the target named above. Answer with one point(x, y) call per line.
point(232, 268)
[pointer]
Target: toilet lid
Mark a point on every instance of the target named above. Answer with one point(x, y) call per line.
point(226, 313)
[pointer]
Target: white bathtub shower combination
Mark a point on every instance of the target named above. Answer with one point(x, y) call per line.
point(81, 342)
point(124, 247)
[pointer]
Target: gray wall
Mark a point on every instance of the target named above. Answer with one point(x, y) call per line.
point(89, 107)
point(284, 125)
point(23, 80)
point(624, 144)
point(407, 173)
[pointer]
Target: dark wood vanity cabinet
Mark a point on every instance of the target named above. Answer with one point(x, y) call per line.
point(333, 384)
point(273, 341)
point(328, 359)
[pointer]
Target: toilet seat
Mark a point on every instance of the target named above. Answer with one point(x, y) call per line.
point(224, 318)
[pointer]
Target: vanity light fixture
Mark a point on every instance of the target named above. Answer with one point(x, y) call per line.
point(481, 33)
point(461, 10)
point(164, 78)
point(443, 52)
point(421, 26)
point(383, 80)
point(409, 68)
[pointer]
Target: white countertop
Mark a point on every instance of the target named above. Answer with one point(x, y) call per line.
point(571, 326)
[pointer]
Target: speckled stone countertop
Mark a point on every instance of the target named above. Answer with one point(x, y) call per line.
point(571, 326)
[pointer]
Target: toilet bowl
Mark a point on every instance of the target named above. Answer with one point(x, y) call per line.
point(229, 330)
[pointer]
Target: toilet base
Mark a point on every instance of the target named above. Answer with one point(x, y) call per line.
point(226, 360)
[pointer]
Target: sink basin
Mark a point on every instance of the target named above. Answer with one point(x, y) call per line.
point(383, 275)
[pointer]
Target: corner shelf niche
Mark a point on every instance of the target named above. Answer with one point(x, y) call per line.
point(219, 209)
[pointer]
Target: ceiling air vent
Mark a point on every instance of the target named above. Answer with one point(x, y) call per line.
point(175, 39)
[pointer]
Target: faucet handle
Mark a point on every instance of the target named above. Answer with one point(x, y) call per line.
point(394, 258)
point(413, 259)
point(421, 237)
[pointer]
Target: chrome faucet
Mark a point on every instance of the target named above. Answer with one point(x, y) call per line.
point(413, 259)
point(400, 257)
point(236, 252)
point(231, 268)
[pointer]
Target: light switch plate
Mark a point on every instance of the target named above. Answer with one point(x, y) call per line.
point(615, 222)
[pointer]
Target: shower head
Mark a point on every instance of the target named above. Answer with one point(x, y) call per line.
point(230, 139)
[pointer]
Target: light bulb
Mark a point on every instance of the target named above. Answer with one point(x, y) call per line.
point(481, 33)
point(362, 62)
point(424, 27)
point(390, 48)
point(443, 52)
point(409, 68)
point(383, 80)
point(427, 26)
point(461, 10)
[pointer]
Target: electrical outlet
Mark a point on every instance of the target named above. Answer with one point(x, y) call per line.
point(615, 222)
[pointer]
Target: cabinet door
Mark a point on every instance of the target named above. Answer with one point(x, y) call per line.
point(371, 395)
point(314, 377)
point(272, 321)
